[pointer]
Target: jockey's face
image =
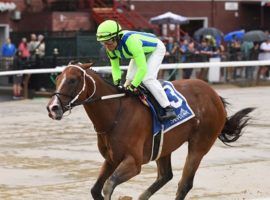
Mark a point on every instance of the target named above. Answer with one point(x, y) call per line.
point(110, 44)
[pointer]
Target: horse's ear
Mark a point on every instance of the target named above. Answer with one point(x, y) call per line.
point(72, 62)
point(86, 65)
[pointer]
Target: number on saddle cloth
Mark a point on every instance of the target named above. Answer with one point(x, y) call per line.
point(177, 101)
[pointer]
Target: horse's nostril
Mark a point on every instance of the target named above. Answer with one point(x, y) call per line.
point(55, 108)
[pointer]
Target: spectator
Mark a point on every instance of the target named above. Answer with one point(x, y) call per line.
point(246, 50)
point(18, 78)
point(40, 48)
point(222, 52)
point(39, 52)
point(255, 56)
point(23, 59)
point(8, 53)
point(41, 79)
point(25, 54)
point(213, 46)
point(187, 50)
point(32, 45)
point(174, 54)
point(263, 72)
point(187, 37)
point(205, 51)
point(223, 57)
point(255, 51)
point(234, 49)
point(171, 49)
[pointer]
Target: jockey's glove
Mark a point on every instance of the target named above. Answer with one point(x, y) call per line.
point(131, 88)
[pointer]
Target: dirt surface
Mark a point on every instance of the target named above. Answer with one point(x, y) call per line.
point(42, 159)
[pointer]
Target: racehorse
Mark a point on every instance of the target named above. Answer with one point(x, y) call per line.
point(123, 126)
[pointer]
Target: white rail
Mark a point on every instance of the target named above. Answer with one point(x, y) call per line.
point(163, 66)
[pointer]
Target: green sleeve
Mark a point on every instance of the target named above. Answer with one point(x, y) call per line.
point(135, 47)
point(116, 71)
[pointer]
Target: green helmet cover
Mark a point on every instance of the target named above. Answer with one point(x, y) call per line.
point(107, 30)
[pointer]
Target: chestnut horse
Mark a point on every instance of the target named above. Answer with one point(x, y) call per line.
point(124, 128)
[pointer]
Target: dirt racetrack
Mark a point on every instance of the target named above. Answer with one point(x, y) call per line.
point(42, 159)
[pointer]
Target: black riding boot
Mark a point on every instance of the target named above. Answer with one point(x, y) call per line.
point(169, 113)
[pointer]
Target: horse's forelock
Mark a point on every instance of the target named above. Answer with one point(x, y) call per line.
point(85, 65)
point(81, 65)
point(73, 62)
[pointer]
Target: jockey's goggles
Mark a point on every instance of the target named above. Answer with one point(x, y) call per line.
point(108, 42)
point(101, 37)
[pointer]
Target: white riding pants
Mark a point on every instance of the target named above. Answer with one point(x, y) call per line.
point(150, 80)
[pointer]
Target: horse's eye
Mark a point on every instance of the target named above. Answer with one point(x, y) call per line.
point(72, 81)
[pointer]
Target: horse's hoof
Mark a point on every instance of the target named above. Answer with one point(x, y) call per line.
point(145, 196)
point(125, 198)
point(99, 198)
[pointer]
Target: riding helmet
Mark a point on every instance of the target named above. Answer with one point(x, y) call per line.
point(107, 30)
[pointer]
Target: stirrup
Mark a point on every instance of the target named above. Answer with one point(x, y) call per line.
point(168, 116)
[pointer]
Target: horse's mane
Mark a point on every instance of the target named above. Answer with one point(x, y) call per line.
point(104, 79)
point(108, 82)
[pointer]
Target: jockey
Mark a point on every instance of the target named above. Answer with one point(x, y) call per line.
point(145, 52)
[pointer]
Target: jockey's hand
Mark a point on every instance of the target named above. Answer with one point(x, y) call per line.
point(127, 83)
point(132, 89)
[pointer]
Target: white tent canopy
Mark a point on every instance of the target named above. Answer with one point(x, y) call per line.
point(6, 6)
point(169, 18)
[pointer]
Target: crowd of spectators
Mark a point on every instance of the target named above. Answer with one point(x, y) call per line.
point(26, 55)
point(30, 54)
point(188, 50)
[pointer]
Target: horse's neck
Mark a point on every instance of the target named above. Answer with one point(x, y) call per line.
point(102, 112)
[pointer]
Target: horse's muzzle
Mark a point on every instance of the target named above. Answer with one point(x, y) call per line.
point(54, 109)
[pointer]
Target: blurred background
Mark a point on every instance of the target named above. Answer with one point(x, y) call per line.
point(37, 34)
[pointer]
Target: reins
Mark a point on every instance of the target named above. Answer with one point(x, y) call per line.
point(90, 99)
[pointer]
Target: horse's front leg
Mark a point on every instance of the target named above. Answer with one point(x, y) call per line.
point(127, 169)
point(105, 172)
point(164, 175)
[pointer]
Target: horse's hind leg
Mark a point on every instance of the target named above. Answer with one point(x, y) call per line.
point(194, 157)
point(106, 171)
point(164, 175)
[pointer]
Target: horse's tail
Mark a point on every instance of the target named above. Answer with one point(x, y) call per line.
point(234, 124)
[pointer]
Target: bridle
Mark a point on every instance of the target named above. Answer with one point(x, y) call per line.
point(89, 99)
point(73, 102)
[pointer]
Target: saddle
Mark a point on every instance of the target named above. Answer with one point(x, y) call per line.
point(160, 126)
point(145, 96)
